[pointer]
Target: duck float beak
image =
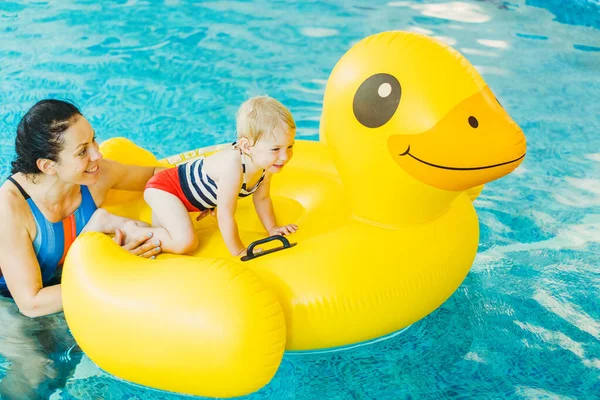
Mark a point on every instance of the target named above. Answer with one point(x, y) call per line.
point(475, 143)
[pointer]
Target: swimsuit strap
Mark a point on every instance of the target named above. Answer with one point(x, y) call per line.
point(244, 181)
point(243, 169)
point(23, 192)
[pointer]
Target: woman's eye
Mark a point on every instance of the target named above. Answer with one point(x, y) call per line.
point(82, 153)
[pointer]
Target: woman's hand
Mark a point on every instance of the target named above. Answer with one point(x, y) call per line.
point(140, 246)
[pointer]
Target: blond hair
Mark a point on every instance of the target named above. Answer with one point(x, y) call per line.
point(262, 115)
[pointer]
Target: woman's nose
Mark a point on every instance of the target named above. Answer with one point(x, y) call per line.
point(96, 155)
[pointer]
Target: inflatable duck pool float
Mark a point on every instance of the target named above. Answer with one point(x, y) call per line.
point(409, 134)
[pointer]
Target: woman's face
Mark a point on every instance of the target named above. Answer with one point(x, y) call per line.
point(79, 160)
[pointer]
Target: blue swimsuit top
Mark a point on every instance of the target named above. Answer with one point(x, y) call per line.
point(53, 239)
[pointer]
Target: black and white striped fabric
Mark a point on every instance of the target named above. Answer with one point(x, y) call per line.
point(201, 190)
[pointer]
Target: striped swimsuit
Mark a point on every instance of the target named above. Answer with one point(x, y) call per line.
point(196, 190)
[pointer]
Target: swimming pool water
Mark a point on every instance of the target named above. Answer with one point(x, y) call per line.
point(170, 75)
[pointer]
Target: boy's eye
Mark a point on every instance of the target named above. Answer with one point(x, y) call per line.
point(82, 153)
point(276, 149)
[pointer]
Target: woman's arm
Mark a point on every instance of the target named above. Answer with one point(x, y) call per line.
point(127, 177)
point(114, 175)
point(20, 267)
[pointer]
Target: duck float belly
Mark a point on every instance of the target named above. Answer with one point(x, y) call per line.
point(388, 231)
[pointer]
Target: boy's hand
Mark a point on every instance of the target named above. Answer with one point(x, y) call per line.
point(206, 213)
point(283, 230)
point(244, 252)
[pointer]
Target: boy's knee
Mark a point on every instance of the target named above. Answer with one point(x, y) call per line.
point(148, 194)
point(185, 244)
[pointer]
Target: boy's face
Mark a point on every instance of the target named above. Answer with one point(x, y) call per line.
point(273, 151)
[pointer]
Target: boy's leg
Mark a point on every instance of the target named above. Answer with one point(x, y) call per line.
point(171, 221)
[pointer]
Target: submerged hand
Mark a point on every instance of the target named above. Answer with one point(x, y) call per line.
point(140, 246)
point(283, 230)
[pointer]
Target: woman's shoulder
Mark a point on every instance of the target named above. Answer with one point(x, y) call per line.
point(13, 206)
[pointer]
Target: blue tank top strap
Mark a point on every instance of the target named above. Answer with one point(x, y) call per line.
point(23, 192)
point(85, 210)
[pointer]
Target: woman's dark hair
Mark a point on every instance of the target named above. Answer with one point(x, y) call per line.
point(40, 134)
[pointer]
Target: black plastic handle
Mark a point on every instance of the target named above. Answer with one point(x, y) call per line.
point(251, 255)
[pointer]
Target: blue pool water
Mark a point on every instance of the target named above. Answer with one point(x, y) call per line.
point(170, 74)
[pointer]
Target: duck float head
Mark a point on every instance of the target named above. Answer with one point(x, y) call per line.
point(411, 123)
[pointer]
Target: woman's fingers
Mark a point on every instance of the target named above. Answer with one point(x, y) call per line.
point(137, 242)
point(151, 252)
point(152, 247)
point(118, 239)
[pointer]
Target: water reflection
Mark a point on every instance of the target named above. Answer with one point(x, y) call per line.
point(497, 44)
point(41, 353)
point(453, 11)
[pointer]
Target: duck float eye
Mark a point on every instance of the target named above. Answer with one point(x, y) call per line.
point(376, 100)
point(473, 122)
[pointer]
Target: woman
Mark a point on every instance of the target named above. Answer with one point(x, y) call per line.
point(59, 179)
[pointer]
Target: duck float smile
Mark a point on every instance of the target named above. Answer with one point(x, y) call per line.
point(409, 133)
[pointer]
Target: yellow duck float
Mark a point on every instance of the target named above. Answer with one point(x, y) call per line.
point(409, 134)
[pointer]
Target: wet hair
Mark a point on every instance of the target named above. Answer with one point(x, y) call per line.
point(40, 134)
point(262, 115)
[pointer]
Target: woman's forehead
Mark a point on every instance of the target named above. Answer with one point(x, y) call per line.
point(79, 132)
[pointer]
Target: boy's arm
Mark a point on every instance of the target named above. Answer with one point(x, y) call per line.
point(229, 186)
point(264, 205)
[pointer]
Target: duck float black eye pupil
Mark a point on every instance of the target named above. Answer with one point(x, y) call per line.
point(473, 122)
point(376, 100)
